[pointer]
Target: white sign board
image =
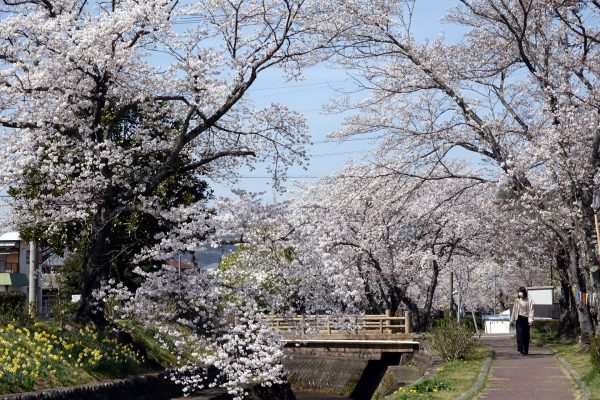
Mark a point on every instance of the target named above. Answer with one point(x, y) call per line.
point(541, 294)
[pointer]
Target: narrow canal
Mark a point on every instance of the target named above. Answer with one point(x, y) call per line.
point(317, 396)
point(219, 394)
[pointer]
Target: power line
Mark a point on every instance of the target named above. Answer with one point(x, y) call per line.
point(348, 140)
point(340, 153)
point(321, 83)
point(308, 89)
point(305, 177)
point(287, 177)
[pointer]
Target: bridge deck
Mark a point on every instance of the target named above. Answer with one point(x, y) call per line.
point(353, 341)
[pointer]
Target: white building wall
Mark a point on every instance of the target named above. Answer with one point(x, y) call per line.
point(498, 327)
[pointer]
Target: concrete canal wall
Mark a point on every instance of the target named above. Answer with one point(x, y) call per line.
point(145, 387)
point(359, 378)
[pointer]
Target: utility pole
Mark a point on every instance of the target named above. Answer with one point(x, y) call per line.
point(32, 276)
point(459, 290)
point(495, 291)
point(450, 314)
point(459, 305)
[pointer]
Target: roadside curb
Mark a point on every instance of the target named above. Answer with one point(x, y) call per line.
point(583, 389)
point(483, 374)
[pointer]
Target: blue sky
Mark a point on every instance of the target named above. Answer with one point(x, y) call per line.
point(322, 83)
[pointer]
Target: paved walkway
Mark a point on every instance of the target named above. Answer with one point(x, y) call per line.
point(532, 377)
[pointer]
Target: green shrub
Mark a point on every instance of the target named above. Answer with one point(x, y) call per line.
point(595, 352)
point(546, 327)
point(452, 341)
point(466, 321)
point(63, 310)
point(431, 385)
point(421, 390)
point(12, 306)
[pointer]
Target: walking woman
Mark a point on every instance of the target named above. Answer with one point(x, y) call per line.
point(522, 316)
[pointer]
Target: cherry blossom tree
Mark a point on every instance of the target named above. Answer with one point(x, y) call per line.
point(103, 105)
point(510, 249)
point(219, 336)
point(519, 91)
point(366, 239)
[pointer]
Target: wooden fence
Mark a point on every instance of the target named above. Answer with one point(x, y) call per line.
point(326, 324)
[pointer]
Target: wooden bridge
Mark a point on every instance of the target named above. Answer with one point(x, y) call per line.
point(365, 336)
point(327, 324)
point(342, 354)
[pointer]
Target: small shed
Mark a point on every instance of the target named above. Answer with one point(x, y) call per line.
point(498, 324)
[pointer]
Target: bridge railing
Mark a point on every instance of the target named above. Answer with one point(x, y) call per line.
point(327, 324)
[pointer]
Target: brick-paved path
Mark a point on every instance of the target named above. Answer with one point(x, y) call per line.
point(535, 376)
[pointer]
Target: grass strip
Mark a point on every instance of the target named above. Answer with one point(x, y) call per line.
point(580, 363)
point(583, 389)
point(481, 379)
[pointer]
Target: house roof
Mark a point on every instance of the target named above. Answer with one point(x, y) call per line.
point(503, 316)
point(10, 279)
point(10, 237)
point(184, 265)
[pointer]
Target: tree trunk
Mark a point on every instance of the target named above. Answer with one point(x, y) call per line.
point(586, 323)
point(591, 274)
point(95, 269)
point(568, 309)
point(424, 320)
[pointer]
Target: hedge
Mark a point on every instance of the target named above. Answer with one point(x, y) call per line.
point(12, 306)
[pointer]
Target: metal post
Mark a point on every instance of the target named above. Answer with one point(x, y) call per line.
point(459, 305)
point(495, 292)
point(474, 319)
point(32, 294)
point(451, 294)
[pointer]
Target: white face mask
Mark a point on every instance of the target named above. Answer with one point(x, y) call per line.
point(520, 295)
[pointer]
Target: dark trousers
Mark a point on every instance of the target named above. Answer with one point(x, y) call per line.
point(522, 327)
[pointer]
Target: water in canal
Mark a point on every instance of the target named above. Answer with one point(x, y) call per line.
point(317, 396)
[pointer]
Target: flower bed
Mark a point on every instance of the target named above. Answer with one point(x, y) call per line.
point(43, 357)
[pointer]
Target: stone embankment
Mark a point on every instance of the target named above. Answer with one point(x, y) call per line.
point(145, 387)
point(353, 372)
point(148, 387)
